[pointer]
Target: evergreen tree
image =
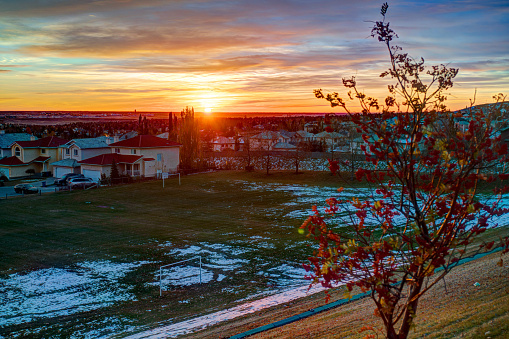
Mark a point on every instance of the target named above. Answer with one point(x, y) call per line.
point(114, 173)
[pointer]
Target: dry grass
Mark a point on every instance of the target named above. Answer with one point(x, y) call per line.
point(465, 311)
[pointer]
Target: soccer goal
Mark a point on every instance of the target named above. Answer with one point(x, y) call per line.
point(181, 273)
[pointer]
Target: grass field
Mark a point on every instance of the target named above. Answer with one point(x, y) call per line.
point(67, 246)
point(86, 262)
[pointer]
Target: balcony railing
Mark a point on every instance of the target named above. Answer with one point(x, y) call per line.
point(133, 173)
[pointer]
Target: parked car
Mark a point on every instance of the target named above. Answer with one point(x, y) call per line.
point(75, 183)
point(26, 189)
point(65, 179)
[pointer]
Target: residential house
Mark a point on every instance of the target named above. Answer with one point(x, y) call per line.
point(289, 137)
point(143, 155)
point(7, 139)
point(303, 137)
point(77, 150)
point(101, 164)
point(266, 140)
point(38, 155)
point(329, 139)
point(223, 143)
point(311, 126)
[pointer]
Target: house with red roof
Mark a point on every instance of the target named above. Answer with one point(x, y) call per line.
point(33, 154)
point(143, 155)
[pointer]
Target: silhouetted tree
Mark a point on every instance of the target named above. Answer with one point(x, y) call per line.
point(189, 137)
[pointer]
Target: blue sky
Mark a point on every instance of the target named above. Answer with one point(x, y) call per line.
point(238, 56)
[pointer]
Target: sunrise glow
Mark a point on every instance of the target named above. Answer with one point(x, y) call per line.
point(234, 57)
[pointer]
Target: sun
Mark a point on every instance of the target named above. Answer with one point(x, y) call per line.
point(208, 110)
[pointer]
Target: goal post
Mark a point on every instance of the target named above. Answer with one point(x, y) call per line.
point(161, 268)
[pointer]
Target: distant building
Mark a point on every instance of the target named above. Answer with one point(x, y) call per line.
point(266, 140)
point(220, 144)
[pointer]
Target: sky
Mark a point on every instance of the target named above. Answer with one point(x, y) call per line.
point(235, 56)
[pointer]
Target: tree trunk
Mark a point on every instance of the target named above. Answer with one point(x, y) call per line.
point(411, 310)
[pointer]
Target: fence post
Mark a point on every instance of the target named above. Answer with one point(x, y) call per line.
point(200, 269)
point(160, 282)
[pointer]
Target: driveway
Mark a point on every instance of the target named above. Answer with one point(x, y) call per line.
point(44, 185)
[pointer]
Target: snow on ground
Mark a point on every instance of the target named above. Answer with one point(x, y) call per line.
point(53, 292)
point(288, 276)
point(184, 276)
point(199, 323)
point(87, 286)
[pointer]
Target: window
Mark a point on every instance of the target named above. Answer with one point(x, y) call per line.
point(117, 150)
point(136, 167)
point(67, 151)
point(133, 151)
point(75, 152)
point(159, 157)
point(43, 151)
point(17, 151)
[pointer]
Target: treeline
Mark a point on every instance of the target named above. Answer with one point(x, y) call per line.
point(209, 127)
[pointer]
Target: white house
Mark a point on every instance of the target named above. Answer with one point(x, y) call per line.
point(143, 155)
point(77, 150)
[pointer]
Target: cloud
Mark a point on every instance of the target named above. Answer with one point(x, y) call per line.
point(272, 50)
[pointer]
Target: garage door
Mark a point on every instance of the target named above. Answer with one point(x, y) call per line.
point(95, 175)
point(60, 171)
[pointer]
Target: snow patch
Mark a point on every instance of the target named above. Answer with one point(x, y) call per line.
point(62, 291)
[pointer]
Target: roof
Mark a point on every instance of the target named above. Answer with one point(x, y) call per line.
point(304, 134)
point(66, 163)
point(107, 159)
point(224, 140)
point(7, 139)
point(48, 142)
point(11, 161)
point(286, 134)
point(266, 135)
point(128, 135)
point(99, 142)
point(145, 141)
point(322, 135)
point(41, 159)
point(284, 145)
